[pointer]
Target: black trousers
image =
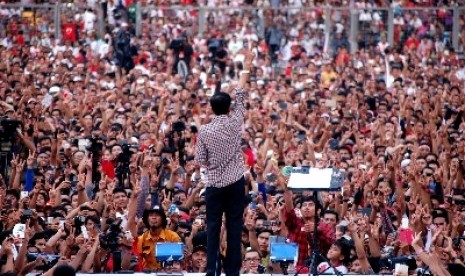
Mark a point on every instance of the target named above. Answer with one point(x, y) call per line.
point(228, 200)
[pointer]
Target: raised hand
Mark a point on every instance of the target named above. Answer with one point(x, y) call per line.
point(416, 239)
point(81, 182)
point(248, 62)
point(31, 159)
point(137, 189)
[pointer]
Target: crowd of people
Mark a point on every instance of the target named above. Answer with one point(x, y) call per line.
point(99, 135)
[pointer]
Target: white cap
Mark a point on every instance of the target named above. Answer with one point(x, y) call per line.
point(309, 81)
point(54, 90)
point(134, 140)
point(405, 163)
point(224, 86)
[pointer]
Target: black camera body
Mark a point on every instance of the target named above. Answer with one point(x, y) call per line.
point(8, 128)
point(78, 222)
point(95, 146)
point(179, 126)
point(124, 159)
point(177, 44)
point(109, 240)
point(214, 45)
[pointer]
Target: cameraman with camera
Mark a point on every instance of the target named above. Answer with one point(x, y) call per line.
point(183, 53)
point(218, 54)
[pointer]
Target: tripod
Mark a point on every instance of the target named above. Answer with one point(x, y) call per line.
point(329, 179)
point(316, 254)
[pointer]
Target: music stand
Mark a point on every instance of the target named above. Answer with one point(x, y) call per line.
point(316, 179)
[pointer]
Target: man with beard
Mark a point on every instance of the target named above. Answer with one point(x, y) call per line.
point(300, 224)
point(155, 221)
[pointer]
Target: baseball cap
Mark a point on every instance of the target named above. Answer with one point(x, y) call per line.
point(198, 248)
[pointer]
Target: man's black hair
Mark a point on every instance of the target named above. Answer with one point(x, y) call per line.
point(55, 214)
point(220, 103)
point(94, 219)
point(14, 193)
point(8, 274)
point(43, 138)
point(37, 236)
point(344, 246)
point(178, 192)
point(4, 235)
point(440, 213)
point(332, 212)
point(200, 203)
point(45, 150)
point(64, 270)
point(261, 216)
point(120, 190)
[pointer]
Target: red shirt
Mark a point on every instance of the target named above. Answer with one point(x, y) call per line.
point(69, 31)
point(20, 39)
point(412, 42)
point(108, 169)
point(326, 236)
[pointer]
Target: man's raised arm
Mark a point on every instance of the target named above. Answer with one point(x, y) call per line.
point(241, 94)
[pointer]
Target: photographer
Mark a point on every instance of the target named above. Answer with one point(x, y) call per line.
point(156, 223)
point(218, 54)
point(183, 53)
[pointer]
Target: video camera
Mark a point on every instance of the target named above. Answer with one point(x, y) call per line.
point(109, 240)
point(124, 158)
point(8, 137)
point(176, 140)
point(214, 44)
point(95, 145)
point(126, 152)
point(391, 262)
point(8, 129)
point(177, 44)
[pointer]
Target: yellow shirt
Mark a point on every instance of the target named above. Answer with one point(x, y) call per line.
point(146, 246)
point(326, 78)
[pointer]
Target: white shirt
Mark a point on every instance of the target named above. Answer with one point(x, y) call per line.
point(382, 46)
point(398, 21)
point(234, 47)
point(89, 20)
point(103, 49)
point(416, 23)
point(460, 74)
point(324, 268)
point(365, 16)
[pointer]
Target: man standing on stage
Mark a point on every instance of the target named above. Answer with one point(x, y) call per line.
point(219, 150)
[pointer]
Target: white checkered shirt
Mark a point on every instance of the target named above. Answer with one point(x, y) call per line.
point(219, 146)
